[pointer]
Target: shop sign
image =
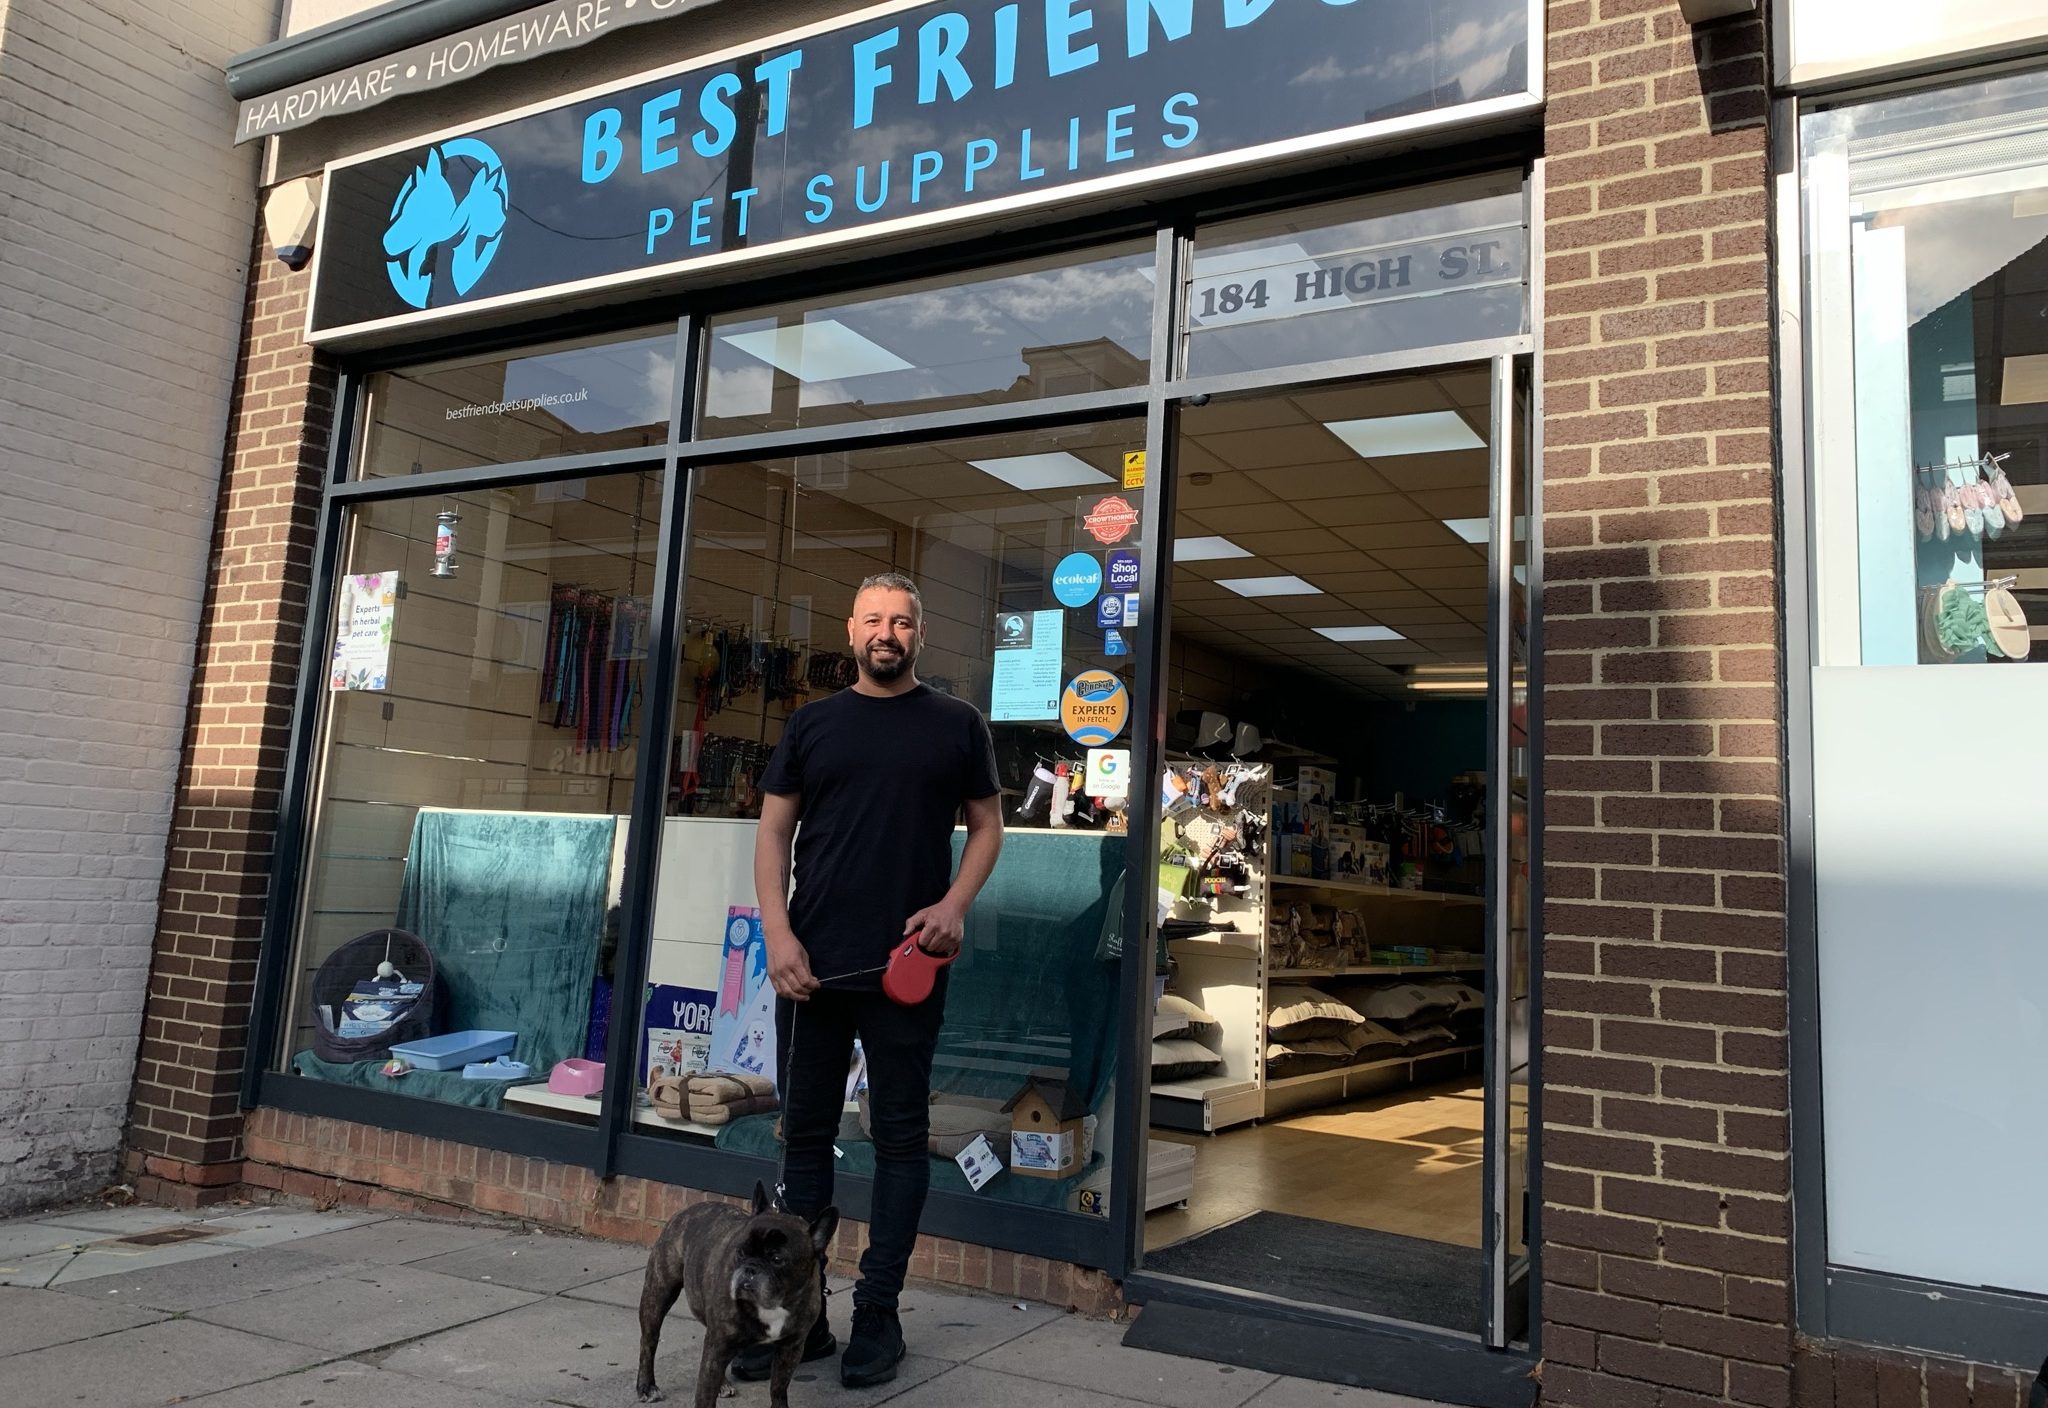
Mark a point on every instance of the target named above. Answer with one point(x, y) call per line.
point(1094, 707)
point(908, 116)
point(1110, 519)
point(1077, 580)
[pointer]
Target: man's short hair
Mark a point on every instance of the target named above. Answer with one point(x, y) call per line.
point(894, 582)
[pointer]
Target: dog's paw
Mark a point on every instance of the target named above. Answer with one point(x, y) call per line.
point(651, 1394)
point(729, 1391)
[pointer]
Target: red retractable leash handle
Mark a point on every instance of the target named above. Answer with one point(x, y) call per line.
point(913, 971)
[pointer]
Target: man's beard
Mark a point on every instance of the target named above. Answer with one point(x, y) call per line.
point(890, 667)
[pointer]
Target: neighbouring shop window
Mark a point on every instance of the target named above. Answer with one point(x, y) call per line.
point(1429, 267)
point(1932, 211)
point(1834, 37)
point(1026, 548)
point(483, 706)
point(1048, 328)
point(567, 398)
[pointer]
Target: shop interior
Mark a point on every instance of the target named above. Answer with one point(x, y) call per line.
point(1320, 1029)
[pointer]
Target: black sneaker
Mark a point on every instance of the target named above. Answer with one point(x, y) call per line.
point(874, 1349)
point(756, 1362)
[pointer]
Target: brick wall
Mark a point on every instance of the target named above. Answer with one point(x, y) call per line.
point(329, 1162)
point(1666, 1180)
point(185, 1125)
point(125, 230)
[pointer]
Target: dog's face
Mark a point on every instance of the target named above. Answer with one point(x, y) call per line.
point(778, 1258)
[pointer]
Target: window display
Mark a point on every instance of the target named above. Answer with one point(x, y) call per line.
point(460, 912)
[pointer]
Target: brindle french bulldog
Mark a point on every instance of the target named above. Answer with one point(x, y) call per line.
point(750, 1278)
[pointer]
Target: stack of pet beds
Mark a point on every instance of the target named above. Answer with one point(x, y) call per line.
point(711, 1098)
point(1309, 1031)
point(1183, 1040)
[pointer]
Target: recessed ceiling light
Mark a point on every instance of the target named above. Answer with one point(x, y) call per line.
point(1472, 530)
point(1206, 549)
point(1354, 633)
point(1055, 470)
point(1269, 586)
point(827, 350)
point(1427, 433)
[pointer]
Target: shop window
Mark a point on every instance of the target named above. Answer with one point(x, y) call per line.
point(1830, 38)
point(567, 398)
point(1049, 328)
point(475, 772)
point(1026, 551)
point(1930, 230)
point(1430, 267)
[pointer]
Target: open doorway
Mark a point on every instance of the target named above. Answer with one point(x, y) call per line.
point(1319, 1091)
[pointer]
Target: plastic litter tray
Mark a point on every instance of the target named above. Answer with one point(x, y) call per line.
point(455, 1050)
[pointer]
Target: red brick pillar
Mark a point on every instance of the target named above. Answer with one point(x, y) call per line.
point(1666, 1218)
point(184, 1134)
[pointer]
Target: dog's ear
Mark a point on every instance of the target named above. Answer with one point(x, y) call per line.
point(760, 1198)
point(822, 1227)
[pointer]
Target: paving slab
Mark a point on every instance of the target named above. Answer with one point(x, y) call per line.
point(1089, 1354)
point(20, 1240)
point(116, 1259)
point(568, 1351)
point(984, 1388)
point(536, 1261)
point(348, 1384)
point(1300, 1393)
point(367, 1309)
point(238, 1273)
point(122, 1222)
point(149, 1366)
point(270, 1227)
point(34, 1272)
point(36, 1320)
point(950, 1326)
point(622, 1290)
point(401, 1240)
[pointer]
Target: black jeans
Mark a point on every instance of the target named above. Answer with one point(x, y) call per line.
point(814, 1049)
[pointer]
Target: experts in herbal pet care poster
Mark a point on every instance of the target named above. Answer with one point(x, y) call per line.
point(743, 1018)
point(362, 631)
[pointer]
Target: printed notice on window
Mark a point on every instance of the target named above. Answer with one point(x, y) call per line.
point(362, 632)
point(1029, 648)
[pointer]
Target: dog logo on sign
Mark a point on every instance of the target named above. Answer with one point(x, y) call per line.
point(449, 218)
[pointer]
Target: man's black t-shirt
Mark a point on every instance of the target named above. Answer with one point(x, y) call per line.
point(881, 782)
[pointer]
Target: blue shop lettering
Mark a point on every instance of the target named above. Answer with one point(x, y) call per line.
point(878, 184)
point(604, 150)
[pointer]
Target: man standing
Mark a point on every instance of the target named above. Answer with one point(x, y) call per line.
point(877, 775)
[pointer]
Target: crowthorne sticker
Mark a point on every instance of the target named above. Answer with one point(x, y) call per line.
point(1110, 520)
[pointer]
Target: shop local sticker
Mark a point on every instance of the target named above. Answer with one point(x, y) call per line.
point(1111, 520)
point(1109, 611)
point(1094, 707)
point(1077, 580)
point(1123, 571)
point(979, 1162)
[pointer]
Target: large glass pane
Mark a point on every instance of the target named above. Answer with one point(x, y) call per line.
point(1422, 268)
point(1049, 328)
point(1018, 606)
point(567, 398)
point(1946, 225)
point(479, 738)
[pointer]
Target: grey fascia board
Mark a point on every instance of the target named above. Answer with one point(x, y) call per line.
point(356, 39)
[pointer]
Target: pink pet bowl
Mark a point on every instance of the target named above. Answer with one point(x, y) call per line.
point(577, 1076)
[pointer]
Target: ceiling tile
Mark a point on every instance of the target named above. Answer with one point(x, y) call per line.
point(1440, 503)
point(1311, 483)
point(1453, 554)
point(1274, 546)
point(1405, 396)
point(1278, 448)
point(1243, 522)
point(1433, 577)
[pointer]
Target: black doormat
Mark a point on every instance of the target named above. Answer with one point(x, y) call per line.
point(1326, 1263)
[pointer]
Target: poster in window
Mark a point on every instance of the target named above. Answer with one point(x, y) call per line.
point(362, 633)
point(1028, 650)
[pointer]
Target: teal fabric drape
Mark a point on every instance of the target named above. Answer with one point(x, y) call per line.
point(1032, 992)
point(513, 907)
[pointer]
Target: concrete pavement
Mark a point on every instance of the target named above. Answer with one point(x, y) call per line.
point(274, 1307)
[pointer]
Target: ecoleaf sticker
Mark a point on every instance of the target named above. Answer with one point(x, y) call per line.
point(1077, 580)
point(1094, 708)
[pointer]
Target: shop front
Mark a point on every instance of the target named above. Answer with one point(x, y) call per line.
point(1184, 358)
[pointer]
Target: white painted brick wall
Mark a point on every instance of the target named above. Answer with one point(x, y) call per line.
point(125, 221)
